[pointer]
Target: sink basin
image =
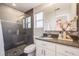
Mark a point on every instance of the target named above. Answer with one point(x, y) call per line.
point(46, 38)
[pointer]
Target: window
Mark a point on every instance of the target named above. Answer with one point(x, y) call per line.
point(28, 22)
point(39, 20)
point(24, 24)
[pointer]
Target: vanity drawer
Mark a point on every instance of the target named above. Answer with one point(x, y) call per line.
point(50, 45)
point(67, 50)
point(45, 44)
point(40, 43)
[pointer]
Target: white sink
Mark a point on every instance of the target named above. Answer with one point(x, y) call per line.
point(45, 38)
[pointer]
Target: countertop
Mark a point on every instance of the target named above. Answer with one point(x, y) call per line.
point(55, 40)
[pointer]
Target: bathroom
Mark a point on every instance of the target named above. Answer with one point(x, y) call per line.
point(34, 31)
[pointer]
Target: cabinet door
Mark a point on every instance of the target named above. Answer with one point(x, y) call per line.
point(39, 51)
point(45, 48)
point(66, 50)
point(49, 52)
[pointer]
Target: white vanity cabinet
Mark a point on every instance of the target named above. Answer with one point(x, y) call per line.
point(39, 51)
point(44, 48)
point(39, 48)
point(50, 49)
point(49, 52)
point(66, 50)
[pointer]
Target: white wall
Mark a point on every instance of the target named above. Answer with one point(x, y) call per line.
point(7, 13)
point(2, 53)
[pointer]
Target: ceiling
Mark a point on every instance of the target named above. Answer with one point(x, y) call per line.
point(23, 6)
point(57, 7)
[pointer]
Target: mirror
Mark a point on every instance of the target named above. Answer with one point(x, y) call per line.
point(64, 11)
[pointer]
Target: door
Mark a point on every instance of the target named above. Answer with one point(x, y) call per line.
point(49, 52)
point(39, 51)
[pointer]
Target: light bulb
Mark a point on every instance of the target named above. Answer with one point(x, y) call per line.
point(13, 4)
